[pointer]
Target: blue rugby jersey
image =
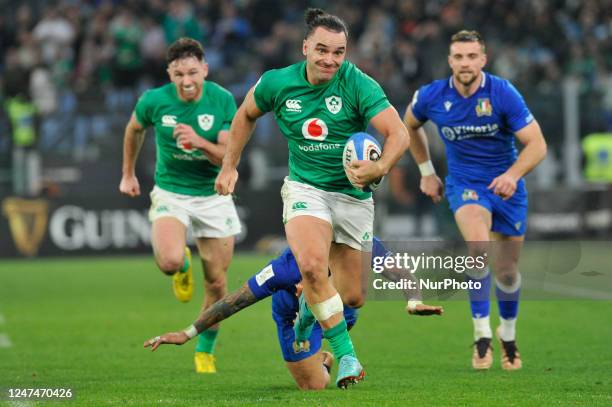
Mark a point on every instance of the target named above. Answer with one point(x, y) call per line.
point(478, 131)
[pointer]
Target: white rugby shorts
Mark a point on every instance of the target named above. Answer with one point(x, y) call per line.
point(352, 219)
point(209, 216)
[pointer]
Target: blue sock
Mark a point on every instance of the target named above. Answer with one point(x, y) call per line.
point(508, 301)
point(479, 298)
point(508, 298)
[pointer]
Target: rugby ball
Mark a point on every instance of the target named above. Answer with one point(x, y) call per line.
point(362, 146)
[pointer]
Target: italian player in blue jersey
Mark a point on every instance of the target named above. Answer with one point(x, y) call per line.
point(478, 116)
point(281, 279)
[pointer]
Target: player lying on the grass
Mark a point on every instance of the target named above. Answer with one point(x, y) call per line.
point(281, 279)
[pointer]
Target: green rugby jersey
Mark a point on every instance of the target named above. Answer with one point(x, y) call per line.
point(177, 169)
point(317, 120)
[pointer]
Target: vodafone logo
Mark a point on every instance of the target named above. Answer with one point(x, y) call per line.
point(314, 129)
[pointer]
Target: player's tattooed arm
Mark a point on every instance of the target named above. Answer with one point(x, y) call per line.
point(225, 307)
point(220, 310)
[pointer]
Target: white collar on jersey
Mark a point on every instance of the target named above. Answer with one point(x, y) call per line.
point(482, 84)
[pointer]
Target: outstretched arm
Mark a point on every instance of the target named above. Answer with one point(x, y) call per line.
point(220, 310)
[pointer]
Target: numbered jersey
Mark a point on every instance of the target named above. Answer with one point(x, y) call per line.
point(317, 120)
point(181, 169)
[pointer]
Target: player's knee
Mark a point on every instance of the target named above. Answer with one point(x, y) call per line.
point(478, 249)
point(508, 277)
point(313, 270)
point(170, 264)
point(354, 300)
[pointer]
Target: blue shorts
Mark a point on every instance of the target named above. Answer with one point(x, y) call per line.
point(285, 307)
point(509, 217)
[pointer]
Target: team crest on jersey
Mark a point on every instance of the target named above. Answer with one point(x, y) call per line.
point(206, 121)
point(314, 129)
point(334, 104)
point(484, 108)
point(469, 195)
point(447, 105)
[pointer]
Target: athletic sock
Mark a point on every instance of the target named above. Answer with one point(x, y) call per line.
point(480, 303)
point(185, 265)
point(508, 303)
point(207, 340)
point(339, 340)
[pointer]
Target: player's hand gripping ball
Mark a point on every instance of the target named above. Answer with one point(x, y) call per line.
point(362, 146)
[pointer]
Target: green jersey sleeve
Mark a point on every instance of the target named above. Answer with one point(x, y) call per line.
point(144, 110)
point(230, 112)
point(370, 95)
point(265, 93)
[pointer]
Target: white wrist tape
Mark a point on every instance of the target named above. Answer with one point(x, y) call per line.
point(191, 331)
point(412, 304)
point(427, 168)
point(324, 310)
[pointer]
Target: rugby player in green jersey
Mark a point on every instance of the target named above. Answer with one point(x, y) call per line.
point(318, 104)
point(191, 118)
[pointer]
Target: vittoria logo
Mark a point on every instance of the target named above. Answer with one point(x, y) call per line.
point(28, 222)
point(314, 129)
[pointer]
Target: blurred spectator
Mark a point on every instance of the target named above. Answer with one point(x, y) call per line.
point(77, 54)
point(127, 60)
point(597, 148)
point(54, 34)
point(180, 21)
point(153, 48)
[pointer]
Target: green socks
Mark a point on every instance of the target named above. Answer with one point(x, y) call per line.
point(207, 340)
point(185, 265)
point(339, 340)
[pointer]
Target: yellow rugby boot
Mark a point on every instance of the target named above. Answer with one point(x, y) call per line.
point(205, 363)
point(182, 282)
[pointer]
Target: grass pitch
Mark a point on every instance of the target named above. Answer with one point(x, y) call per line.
point(80, 324)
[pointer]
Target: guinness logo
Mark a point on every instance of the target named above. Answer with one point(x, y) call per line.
point(28, 222)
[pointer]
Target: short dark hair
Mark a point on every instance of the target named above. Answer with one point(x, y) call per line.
point(315, 17)
point(468, 36)
point(184, 48)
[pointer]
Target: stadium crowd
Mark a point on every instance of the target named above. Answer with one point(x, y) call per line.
point(85, 47)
